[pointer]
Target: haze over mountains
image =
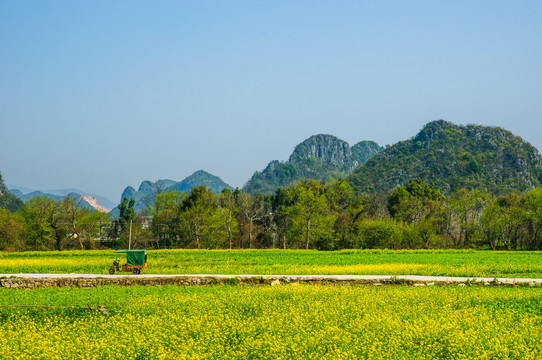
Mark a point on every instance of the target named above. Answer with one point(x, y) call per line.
point(57, 194)
point(447, 155)
point(147, 191)
point(97, 202)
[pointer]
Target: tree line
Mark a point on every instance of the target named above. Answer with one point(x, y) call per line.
point(310, 215)
point(45, 224)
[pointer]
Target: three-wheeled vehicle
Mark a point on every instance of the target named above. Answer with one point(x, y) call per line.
point(135, 261)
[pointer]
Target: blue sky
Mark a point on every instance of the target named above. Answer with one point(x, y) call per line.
point(99, 95)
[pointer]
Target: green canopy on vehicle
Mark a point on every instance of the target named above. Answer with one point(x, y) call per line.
point(135, 257)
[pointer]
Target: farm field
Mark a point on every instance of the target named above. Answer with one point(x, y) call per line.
point(469, 263)
point(288, 322)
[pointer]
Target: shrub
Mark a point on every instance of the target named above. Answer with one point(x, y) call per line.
point(380, 233)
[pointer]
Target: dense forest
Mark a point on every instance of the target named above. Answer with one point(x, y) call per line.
point(450, 186)
point(310, 215)
point(452, 157)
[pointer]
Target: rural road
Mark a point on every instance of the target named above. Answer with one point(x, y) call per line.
point(288, 278)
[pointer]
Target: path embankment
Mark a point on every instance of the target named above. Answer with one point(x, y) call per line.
point(31, 281)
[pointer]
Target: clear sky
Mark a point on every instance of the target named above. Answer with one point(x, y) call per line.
point(99, 95)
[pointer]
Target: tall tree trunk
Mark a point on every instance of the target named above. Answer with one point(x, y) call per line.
point(196, 232)
point(250, 233)
point(308, 232)
point(229, 236)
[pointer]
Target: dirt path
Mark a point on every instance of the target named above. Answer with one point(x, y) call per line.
point(291, 278)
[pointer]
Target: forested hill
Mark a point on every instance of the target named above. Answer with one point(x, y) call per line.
point(452, 157)
point(364, 150)
point(327, 149)
point(201, 178)
point(320, 157)
point(8, 200)
point(147, 191)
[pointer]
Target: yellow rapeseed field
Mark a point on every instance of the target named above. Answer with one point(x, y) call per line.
point(467, 263)
point(279, 322)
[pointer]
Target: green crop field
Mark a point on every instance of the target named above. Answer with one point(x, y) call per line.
point(280, 322)
point(469, 263)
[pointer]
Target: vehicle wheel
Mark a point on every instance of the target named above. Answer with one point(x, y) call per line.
point(111, 270)
point(136, 271)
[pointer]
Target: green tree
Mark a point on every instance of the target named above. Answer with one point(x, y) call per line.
point(309, 216)
point(531, 204)
point(349, 211)
point(11, 232)
point(82, 223)
point(50, 224)
point(339, 195)
point(166, 220)
point(42, 224)
point(268, 237)
point(253, 211)
point(380, 233)
point(200, 219)
point(414, 201)
point(141, 235)
point(467, 207)
point(420, 206)
point(127, 212)
point(126, 219)
point(280, 203)
point(3, 187)
point(227, 206)
point(8, 200)
point(501, 222)
point(490, 226)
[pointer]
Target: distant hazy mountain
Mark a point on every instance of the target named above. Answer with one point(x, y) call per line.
point(147, 191)
point(452, 157)
point(320, 157)
point(33, 194)
point(86, 201)
point(201, 178)
point(60, 193)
